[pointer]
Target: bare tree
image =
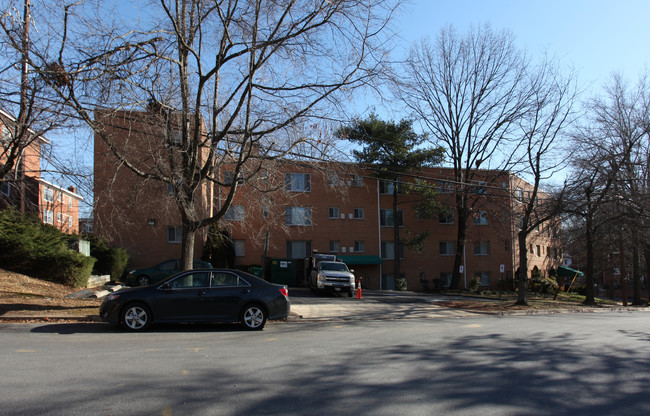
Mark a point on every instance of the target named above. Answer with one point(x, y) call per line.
point(470, 92)
point(605, 148)
point(542, 129)
point(224, 83)
point(29, 109)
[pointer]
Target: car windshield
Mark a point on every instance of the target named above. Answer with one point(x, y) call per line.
point(336, 267)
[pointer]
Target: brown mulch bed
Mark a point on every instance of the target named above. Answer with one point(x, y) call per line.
point(23, 296)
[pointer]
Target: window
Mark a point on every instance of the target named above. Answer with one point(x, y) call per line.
point(447, 248)
point(298, 249)
point(234, 213)
point(298, 216)
point(358, 214)
point(265, 211)
point(333, 213)
point(507, 245)
point(6, 188)
point(335, 246)
point(191, 280)
point(229, 178)
point(59, 217)
point(445, 187)
point(60, 197)
point(482, 248)
point(483, 277)
point(332, 179)
point(48, 195)
point(170, 189)
point(548, 251)
point(480, 218)
point(388, 250)
point(386, 187)
point(479, 189)
point(445, 279)
point(6, 135)
point(174, 235)
point(175, 137)
point(519, 194)
point(70, 201)
point(359, 246)
point(240, 247)
point(446, 217)
point(226, 279)
point(386, 218)
point(48, 216)
point(297, 182)
point(538, 251)
point(70, 221)
point(357, 181)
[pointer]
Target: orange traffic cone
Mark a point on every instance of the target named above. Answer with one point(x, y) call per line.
point(359, 289)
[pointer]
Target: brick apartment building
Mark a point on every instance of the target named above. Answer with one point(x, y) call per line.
point(24, 188)
point(334, 208)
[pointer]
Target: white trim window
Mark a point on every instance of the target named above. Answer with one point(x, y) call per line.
point(234, 213)
point(358, 214)
point(359, 246)
point(333, 213)
point(48, 195)
point(240, 247)
point(484, 278)
point(335, 246)
point(447, 248)
point(386, 218)
point(297, 182)
point(174, 235)
point(48, 216)
point(480, 218)
point(298, 216)
point(482, 248)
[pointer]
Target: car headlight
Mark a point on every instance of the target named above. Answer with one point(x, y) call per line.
point(321, 277)
point(112, 296)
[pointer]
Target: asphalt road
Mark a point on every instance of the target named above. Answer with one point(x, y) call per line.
point(563, 364)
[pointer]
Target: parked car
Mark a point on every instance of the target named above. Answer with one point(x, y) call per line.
point(206, 295)
point(332, 276)
point(154, 274)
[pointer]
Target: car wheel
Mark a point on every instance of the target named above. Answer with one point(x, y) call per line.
point(136, 317)
point(253, 317)
point(143, 280)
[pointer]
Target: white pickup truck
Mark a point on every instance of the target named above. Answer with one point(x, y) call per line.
point(332, 276)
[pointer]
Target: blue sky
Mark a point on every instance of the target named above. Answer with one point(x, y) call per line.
point(596, 37)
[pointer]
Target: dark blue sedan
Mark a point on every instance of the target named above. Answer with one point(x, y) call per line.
point(206, 295)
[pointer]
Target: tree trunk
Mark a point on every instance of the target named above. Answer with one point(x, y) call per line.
point(456, 281)
point(523, 268)
point(636, 274)
point(187, 247)
point(589, 290)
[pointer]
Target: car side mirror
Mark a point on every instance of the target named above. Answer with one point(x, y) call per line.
point(351, 270)
point(165, 286)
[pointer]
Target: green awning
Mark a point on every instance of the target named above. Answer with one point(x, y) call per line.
point(357, 259)
point(563, 271)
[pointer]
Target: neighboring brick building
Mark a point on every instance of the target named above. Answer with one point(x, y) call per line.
point(330, 208)
point(350, 215)
point(25, 190)
point(138, 214)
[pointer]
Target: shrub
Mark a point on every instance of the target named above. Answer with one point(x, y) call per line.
point(40, 250)
point(400, 284)
point(110, 260)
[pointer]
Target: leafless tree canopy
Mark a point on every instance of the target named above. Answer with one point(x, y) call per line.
point(248, 80)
